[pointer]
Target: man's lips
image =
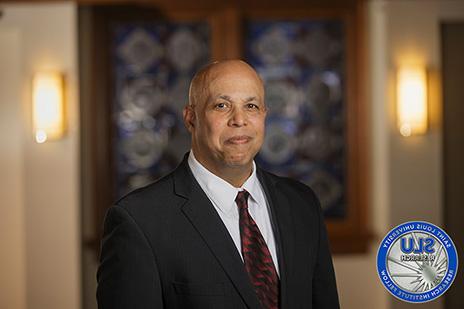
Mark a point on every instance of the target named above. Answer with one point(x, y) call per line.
point(239, 139)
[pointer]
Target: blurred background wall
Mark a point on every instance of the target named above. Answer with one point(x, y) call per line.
point(406, 174)
point(39, 211)
point(40, 256)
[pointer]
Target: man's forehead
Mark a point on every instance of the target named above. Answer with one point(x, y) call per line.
point(231, 88)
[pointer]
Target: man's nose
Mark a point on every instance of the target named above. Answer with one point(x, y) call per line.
point(238, 118)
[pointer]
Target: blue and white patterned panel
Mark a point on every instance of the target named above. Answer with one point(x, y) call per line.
point(152, 67)
point(303, 66)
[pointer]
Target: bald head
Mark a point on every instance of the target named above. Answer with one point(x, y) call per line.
point(199, 86)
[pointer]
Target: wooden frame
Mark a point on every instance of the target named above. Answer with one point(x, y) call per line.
point(349, 235)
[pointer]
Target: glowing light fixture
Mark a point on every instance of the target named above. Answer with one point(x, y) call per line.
point(48, 106)
point(412, 100)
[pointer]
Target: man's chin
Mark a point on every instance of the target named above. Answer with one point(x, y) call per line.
point(239, 161)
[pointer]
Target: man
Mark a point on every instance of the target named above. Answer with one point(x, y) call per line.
point(218, 232)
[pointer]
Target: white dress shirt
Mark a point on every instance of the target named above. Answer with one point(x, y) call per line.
point(222, 195)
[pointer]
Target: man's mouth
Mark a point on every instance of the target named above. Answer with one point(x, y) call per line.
point(237, 140)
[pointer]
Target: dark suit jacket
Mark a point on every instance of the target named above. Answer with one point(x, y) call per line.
point(165, 246)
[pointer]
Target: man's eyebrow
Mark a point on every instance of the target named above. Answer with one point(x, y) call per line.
point(225, 97)
point(229, 99)
point(249, 99)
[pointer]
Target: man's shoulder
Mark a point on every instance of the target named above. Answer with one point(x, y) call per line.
point(154, 196)
point(290, 186)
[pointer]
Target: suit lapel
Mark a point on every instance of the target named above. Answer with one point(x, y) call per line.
point(202, 215)
point(284, 232)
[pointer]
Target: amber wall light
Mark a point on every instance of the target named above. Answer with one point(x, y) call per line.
point(411, 100)
point(48, 110)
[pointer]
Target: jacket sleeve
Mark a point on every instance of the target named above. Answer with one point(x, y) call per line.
point(127, 275)
point(324, 286)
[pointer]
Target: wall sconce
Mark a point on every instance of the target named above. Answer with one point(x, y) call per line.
point(411, 100)
point(48, 110)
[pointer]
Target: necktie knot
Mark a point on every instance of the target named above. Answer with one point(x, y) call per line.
point(242, 199)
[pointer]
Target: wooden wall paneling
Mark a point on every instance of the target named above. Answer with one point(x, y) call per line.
point(226, 30)
point(349, 235)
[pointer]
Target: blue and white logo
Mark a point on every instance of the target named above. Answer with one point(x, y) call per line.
point(417, 262)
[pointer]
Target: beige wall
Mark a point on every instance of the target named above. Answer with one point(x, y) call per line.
point(12, 232)
point(41, 184)
point(416, 182)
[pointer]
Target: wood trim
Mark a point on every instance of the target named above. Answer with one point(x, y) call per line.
point(212, 4)
point(226, 29)
point(353, 235)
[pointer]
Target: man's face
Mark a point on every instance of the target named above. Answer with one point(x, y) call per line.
point(227, 124)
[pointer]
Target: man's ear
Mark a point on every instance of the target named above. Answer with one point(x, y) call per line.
point(189, 117)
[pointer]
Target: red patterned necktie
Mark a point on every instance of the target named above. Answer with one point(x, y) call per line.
point(256, 256)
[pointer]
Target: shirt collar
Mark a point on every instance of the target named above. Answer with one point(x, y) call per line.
point(221, 192)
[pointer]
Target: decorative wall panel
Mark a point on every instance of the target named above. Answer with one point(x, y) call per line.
point(153, 65)
point(303, 66)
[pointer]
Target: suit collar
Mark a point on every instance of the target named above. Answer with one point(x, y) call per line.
point(283, 227)
point(204, 218)
point(202, 215)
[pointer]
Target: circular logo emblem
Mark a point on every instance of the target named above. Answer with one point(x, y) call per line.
point(417, 262)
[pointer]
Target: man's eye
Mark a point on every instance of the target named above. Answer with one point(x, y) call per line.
point(220, 105)
point(252, 106)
